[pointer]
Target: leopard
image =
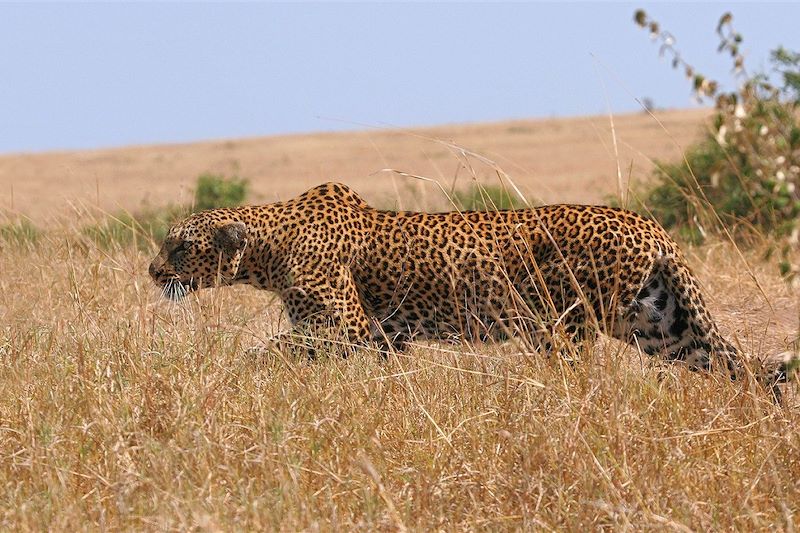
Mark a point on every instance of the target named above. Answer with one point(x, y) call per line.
point(552, 275)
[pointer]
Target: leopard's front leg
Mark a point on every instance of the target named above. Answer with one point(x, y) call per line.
point(326, 307)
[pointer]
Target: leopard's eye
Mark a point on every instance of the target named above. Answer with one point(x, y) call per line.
point(181, 248)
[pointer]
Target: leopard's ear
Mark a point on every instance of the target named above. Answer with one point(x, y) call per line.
point(231, 237)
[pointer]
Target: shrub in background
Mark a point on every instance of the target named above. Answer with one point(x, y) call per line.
point(214, 191)
point(746, 170)
point(486, 198)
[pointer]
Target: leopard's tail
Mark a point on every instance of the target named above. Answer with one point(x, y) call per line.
point(696, 337)
point(702, 345)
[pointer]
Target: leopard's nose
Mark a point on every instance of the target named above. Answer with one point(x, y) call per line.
point(153, 271)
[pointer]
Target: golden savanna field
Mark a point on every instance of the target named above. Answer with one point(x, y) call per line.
point(121, 410)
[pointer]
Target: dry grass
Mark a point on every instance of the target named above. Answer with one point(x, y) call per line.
point(122, 411)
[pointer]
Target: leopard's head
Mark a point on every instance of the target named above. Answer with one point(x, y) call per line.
point(204, 250)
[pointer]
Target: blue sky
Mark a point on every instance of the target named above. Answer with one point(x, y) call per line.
point(97, 75)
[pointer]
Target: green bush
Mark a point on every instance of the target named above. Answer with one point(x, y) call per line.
point(214, 191)
point(486, 198)
point(20, 232)
point(746, 170)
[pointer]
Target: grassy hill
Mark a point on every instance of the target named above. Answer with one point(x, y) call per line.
point(553, 160)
